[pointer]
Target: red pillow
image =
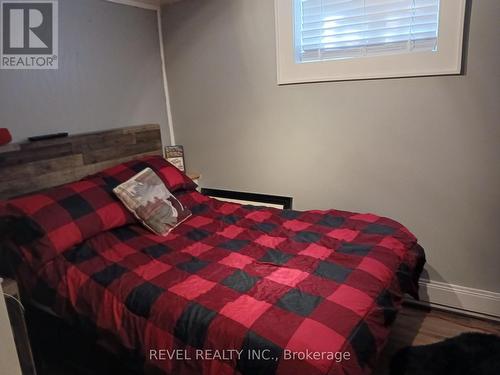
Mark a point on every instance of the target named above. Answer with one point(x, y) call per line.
point(173, 178)
point(50, 222)
point(5, 136)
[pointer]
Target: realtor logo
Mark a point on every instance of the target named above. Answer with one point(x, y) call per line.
point(29, 34)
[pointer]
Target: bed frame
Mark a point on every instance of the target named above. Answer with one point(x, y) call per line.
point(31, 166)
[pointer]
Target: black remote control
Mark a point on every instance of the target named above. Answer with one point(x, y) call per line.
point(47, 136)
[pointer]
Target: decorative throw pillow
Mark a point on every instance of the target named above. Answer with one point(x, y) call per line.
point(52, 221)
point(147, 197)
point(174, 179)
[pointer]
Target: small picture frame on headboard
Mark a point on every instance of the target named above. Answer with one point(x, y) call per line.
point(175, 156)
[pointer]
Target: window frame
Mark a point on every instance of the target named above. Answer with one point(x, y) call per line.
point(447, 60)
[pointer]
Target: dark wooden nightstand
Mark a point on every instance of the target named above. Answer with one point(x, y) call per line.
point(18, 324)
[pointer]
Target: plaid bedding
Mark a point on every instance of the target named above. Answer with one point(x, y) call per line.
point(50, 222)
point(173, 178)
point(282, 285)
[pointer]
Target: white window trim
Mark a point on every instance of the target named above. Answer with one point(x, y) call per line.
point(445, 61)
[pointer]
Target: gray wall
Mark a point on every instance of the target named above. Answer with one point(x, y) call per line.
point(424, 151)
point(109, 75)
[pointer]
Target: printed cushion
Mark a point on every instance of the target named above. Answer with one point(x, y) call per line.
point(50, 222)
point(174, 179)
point(148, 198)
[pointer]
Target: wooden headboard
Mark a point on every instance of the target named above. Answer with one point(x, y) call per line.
point(33, 166)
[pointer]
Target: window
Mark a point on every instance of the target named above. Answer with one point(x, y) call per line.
point(328, 40)
point(329, 29)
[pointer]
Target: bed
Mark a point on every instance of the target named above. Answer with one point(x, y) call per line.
point(234, 289)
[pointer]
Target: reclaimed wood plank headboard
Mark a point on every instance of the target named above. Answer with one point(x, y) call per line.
point(32, 166)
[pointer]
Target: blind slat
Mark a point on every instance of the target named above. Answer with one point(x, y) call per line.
point(346, 10)
point(338, 29)
point(371, 40)
point(310, 6)
point(360, 16)
point(369, 27)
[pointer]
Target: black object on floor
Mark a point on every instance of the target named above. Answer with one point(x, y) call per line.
point(61, 349)
point(467, 354)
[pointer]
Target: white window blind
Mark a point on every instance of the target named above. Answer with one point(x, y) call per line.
point(340, 29)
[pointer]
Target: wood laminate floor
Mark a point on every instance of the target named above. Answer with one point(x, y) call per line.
point(419, 326)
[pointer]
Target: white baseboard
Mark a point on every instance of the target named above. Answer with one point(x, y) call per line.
point(469, 301)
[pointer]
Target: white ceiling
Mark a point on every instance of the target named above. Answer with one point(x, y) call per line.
point(154, 3)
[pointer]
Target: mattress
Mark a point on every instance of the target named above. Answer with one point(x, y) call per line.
point(239, 289)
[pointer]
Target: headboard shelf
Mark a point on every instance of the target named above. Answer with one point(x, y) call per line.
point(32, 166)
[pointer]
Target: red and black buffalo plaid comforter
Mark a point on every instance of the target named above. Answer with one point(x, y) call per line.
point(240, 279)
